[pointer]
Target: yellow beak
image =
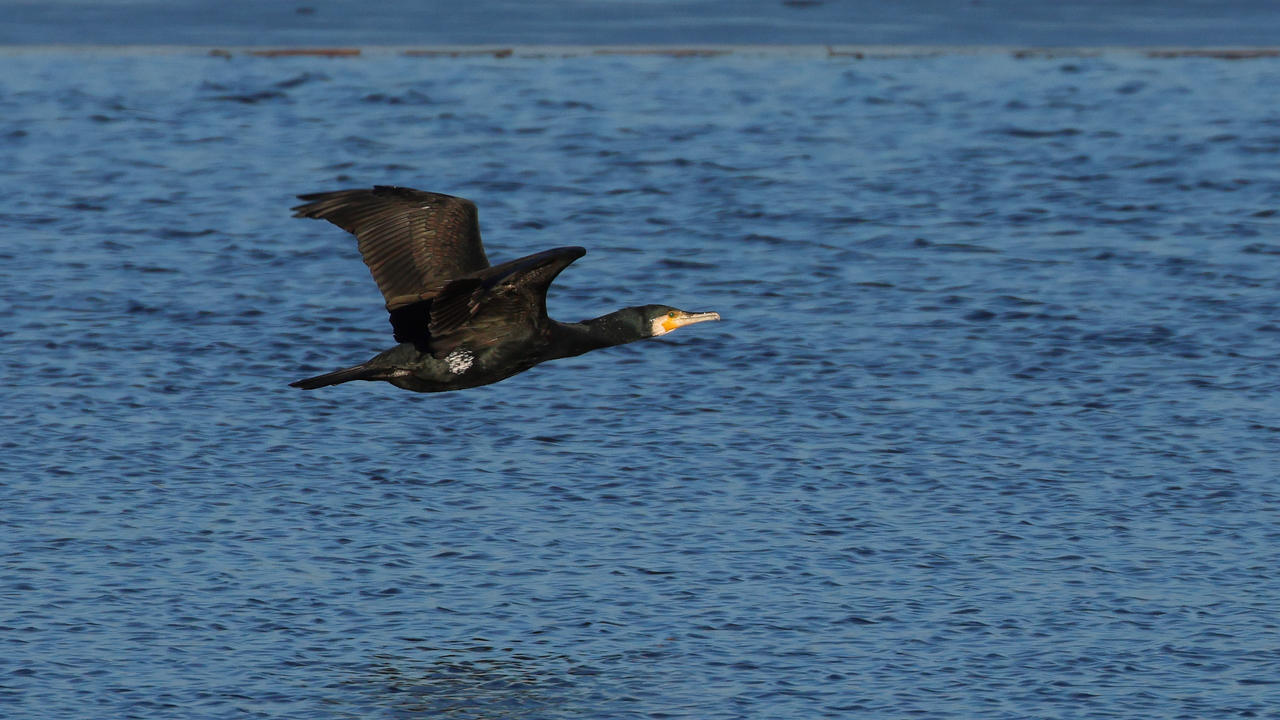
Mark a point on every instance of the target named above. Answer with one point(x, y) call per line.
point(687, 318)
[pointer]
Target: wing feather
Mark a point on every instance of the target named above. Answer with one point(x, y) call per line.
point(413, 241)
point(484, 306)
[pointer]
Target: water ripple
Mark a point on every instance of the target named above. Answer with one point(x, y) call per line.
point(987, 431)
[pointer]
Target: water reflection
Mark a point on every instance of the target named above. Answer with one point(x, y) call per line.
point(473, 684)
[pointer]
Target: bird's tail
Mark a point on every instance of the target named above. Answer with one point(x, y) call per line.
point(358, 372)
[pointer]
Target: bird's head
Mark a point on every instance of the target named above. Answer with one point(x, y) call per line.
point(662, 319)
point(627, 325)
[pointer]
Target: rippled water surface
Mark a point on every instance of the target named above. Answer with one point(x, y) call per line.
point(989, 428)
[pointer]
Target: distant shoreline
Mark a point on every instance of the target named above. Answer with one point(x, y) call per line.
point(675, 50)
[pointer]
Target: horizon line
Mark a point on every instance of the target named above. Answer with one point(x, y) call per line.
point(503, 50)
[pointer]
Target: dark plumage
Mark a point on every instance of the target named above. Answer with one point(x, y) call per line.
point(459, 321)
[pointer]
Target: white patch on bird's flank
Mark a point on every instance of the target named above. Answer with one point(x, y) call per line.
point(459, 361)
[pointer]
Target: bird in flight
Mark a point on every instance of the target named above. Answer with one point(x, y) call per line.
point(459, 321)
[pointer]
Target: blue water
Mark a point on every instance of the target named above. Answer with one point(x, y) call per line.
point(594, 22)
point(989, 429)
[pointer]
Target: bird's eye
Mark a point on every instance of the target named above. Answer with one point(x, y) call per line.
point(671, 314)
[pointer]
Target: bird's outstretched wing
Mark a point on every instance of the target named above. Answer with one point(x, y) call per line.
point(482, 308)
point(413, 241)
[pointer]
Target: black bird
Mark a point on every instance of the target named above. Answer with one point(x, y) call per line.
point(461, 322)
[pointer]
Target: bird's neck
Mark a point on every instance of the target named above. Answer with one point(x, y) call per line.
point(605, 331)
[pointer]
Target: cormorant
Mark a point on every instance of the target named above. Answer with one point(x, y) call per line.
point(459, 321)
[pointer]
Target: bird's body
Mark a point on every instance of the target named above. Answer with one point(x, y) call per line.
point(459, 321)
